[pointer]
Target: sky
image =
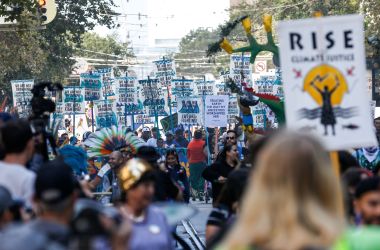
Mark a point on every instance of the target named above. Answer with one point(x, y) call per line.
point(169, 18)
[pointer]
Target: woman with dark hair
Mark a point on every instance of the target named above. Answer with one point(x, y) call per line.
point(177, 173)
point(217, 173)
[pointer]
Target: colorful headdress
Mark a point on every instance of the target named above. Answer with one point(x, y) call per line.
point(107, 140)
point(132, 172)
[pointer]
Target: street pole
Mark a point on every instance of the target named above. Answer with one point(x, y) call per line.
point(92, 115)
point(74, 110)
point(169, 97)
point(204, 119)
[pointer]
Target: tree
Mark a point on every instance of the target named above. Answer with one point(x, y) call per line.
point(47, 54)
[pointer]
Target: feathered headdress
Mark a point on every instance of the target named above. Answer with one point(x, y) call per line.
point(107, 140)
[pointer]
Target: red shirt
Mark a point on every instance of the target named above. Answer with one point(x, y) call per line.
point(195, 151)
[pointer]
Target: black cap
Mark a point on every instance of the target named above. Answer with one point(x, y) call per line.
point(148, 154)
point(6, 200)
point(371, 184)
point(54, 182)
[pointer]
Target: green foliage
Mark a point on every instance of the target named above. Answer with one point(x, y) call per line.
point(47, 54)
point(106, 45)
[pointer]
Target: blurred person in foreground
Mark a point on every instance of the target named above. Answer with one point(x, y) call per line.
point(54, 200)
point(218, 172)
point(18, 143)
point(150, 229)
point(293, 201)
point(223, 215)
point(367, 202)
point(350, 180)
point(10, 210)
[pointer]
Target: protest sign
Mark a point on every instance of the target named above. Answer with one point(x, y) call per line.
point(154, 98)
point(166, 71)
point(73, 99)
point(323, 67)
point(233, 110)
point(143, 119)
point(127, 96)
point(190, 111)
point(182, 87)
point(92, 84)
point(104, 112)
point(241, 70)
point(204, 88)
point(21, 91)
point(216, 111)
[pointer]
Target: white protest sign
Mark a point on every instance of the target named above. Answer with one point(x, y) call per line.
point(92, 84)
point(166, 71)
point(21, 91)
point(216, 111)
point(233, 110)
point(73, 100)
point(154, 97)
point(190, 111)
point(104, 112)
point(204, 88)
point(143, 119)
point(241, 70)
point(324, 75)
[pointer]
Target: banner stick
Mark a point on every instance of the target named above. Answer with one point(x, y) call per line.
point(92, 115)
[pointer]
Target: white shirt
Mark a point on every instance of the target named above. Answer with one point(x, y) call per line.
point(18, 180)
point(152, 142)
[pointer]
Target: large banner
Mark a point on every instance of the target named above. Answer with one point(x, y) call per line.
point(73, 100)
point(190, 111)
point(21, 91)
point(104, 112)
point(92, 84)
point(154, 98)
point(166, 71)
point(216, 111)
point(241, 70)
point(323, 67)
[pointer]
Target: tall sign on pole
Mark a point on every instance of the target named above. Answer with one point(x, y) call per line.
point(323, 66)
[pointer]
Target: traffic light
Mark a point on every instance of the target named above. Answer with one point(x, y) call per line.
point(47, 10)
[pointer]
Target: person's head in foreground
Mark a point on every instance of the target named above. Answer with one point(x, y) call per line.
point(367, 201)
point(293, 200)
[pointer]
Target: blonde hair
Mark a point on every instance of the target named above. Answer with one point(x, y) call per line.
point(293, 199)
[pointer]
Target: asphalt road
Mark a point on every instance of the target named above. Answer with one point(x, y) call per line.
point(198, 222)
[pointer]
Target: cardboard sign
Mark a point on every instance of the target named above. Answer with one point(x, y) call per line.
point(21, 91)
point(323, 68)
point(216, 111)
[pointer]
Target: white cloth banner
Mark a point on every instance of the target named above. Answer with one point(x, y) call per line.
point(216, 111)
point(324, 75)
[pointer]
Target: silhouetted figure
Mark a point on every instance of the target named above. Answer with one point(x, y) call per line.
point(328, 116)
